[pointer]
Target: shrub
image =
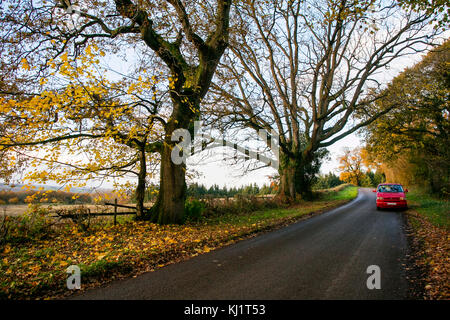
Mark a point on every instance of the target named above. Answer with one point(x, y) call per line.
point(13, 200)
point(240, 204)
point(193, 210)
point(32, 225)
point(79, 215)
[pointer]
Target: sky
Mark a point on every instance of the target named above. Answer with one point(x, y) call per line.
point(219, 172)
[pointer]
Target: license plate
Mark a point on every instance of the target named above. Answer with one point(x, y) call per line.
point(391, 203)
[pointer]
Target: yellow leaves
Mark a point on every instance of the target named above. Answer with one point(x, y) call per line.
point(132, 88)
point(64, 57)
point(63, 263)
point(205, 249)
point(100, 256)
point(88, 50)
point(35, 268)
point(7, 249)
point(25, 65)
point(172, 82)
point(51, 63)
point(170, 240)
point(75, 231)
point(89, 239)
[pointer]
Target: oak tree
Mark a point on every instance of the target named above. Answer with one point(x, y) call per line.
point(184, 38)
point(305, 68)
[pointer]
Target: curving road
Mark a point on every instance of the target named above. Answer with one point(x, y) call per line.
point(324, 257)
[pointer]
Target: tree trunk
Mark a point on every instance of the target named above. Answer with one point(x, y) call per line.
point(140, 189)
point(169, 206)
point(296, 175)
point(303, 180)
point(287, 188)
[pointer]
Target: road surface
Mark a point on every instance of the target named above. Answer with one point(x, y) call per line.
point(324, 257)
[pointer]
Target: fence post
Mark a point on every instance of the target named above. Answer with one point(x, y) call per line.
point(115, 211)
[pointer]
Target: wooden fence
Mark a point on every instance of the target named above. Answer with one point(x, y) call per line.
point(83, 212)
point(80, 213)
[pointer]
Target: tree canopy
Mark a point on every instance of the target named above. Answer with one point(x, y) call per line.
point(306, 68)
point(412, 141)
point(174, 50)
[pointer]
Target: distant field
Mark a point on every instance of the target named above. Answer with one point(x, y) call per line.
point(19, 209)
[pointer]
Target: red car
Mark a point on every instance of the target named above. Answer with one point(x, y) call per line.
point(391, 195)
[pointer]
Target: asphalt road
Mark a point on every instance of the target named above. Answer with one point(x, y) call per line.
point(324, 257)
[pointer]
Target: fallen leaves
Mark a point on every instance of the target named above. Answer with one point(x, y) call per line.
point(131, 243)
point(432, 256)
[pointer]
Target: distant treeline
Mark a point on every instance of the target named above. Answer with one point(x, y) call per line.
point(199, 190)
point(22, 197)
point(326, 181)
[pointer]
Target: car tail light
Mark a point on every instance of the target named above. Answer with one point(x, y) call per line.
point(379, 198)
point(402, 198)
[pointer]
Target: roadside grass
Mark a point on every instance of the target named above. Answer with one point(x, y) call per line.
point(341, 192)
point(436, 210)
point(429, 218)
point(36, 269)
point(324, 199)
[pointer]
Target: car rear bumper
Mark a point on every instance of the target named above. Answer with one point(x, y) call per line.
point(391, 204)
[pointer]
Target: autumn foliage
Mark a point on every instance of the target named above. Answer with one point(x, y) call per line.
point(412, 142)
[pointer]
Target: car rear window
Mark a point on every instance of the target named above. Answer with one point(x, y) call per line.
point(390, 188)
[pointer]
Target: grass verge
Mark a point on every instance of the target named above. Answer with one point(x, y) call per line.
point(37, 269)
point(437, 211)
point(429, 222)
